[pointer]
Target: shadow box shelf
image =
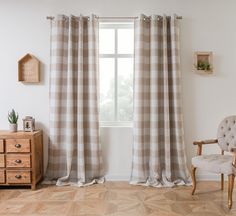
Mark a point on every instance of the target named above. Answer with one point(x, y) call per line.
point(203, 63)
point(28, 69)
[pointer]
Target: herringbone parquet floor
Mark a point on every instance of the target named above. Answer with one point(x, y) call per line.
point(117, 199)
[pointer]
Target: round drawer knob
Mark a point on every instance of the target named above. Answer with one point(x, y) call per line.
point(17, 145)
point(18, 161)
point(18, 176)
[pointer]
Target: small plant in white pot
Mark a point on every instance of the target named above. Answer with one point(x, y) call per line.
point(13, 118)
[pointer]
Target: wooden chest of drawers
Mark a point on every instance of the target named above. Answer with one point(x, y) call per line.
point(21, 158)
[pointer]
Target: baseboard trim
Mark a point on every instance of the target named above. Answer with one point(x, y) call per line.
point(200, 177)
point(117, 178)
point(208, 177)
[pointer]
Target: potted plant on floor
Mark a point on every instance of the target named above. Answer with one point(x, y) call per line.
point(13, 118)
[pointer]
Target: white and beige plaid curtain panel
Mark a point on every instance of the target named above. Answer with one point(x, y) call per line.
point(74, 147)
point(158, 150)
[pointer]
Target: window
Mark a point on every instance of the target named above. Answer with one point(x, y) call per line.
point(116, 49)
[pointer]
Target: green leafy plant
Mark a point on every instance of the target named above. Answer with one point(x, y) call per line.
point(13, 117)
point(203, 65)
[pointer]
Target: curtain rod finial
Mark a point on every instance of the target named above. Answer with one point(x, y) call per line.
point(50, 17)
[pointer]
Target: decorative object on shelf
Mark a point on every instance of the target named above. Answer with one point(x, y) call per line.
point(28, 69)
point(203, 62)
point(13, 118)
point(28, 124)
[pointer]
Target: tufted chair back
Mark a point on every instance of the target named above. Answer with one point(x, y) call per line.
point(226, 134)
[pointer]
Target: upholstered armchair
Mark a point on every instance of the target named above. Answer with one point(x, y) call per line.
point(219, 163)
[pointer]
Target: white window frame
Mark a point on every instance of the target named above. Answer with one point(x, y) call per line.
point(116, 25)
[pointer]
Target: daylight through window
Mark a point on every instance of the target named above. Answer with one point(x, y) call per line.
point(116, 49)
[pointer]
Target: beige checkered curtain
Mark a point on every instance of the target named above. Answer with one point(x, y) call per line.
point(158, 150)
point(74, 148)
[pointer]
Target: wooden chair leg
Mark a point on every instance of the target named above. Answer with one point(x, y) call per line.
point(222, 181)
point(230, 189)
point(194, 179)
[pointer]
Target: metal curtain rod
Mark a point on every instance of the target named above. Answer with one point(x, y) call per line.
point(136, 17)
point(117, 17)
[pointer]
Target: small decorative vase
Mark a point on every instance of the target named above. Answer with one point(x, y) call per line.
point(13, 127)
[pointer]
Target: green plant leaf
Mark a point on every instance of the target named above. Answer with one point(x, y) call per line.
point(9, 119)
point(13, 117)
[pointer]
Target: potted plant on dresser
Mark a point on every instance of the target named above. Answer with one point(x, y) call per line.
point(13, 118)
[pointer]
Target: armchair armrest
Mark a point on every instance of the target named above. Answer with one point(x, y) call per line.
point(203, 142)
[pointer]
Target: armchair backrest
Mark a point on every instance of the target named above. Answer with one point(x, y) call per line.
point(226, 134)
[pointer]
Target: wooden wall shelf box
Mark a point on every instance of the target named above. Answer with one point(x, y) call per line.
point(21, 158)
point(205, 58)
point(28, 69)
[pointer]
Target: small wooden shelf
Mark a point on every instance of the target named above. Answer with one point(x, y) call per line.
point(28, 69)
point(205, 58)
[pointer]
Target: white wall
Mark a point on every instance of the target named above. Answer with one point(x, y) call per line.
point(207, 25)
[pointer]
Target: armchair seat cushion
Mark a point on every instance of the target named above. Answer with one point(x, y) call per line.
point(215, 163)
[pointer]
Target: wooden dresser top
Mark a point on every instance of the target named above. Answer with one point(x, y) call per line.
point(8, 134)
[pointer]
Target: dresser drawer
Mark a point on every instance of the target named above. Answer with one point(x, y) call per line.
point(2, 160)
point(2, 176)
point(18, 177)
point(18, 160)
point(17, 145)
point(1, 145)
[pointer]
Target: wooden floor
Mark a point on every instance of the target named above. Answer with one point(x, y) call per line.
point(117, 199)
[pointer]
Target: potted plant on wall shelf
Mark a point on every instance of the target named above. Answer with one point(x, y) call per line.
point(13, 118)
point(203, 62)
point(203, 65)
